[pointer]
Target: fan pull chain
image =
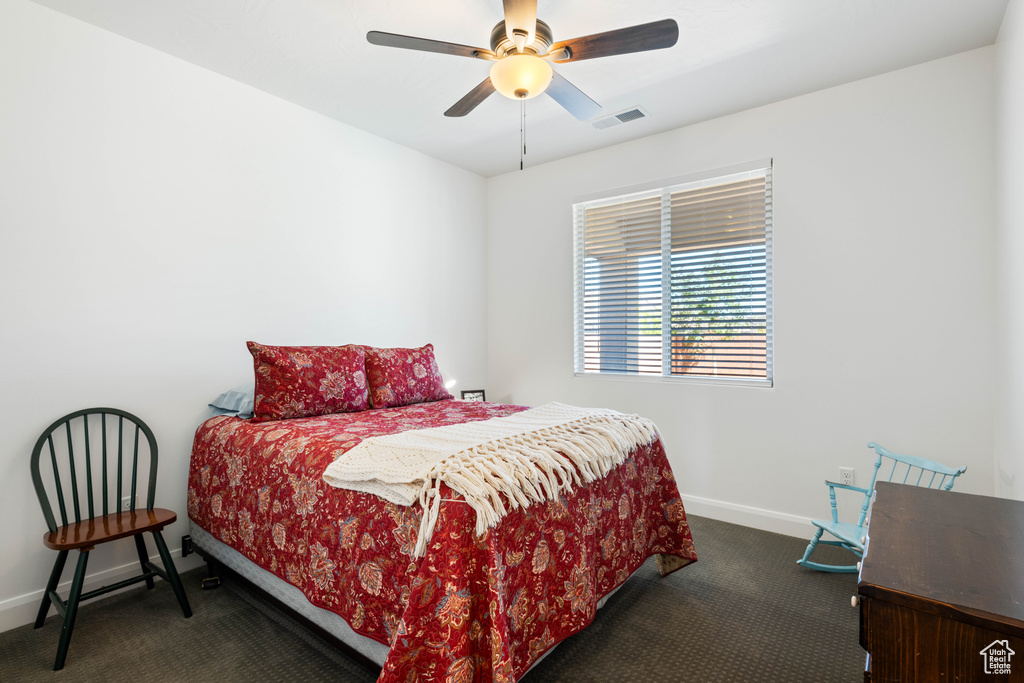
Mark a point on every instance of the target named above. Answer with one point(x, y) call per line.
point(522, 132)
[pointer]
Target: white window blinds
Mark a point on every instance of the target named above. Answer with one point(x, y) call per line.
point(676, 281)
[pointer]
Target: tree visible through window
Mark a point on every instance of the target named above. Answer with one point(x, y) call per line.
point(676, 281)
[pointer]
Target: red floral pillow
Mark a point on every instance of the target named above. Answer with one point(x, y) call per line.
point(398, 377)
point(299, 381)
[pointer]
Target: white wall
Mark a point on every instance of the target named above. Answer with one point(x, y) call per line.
point(884, 290)
point(1009, 435)
point(155, 216)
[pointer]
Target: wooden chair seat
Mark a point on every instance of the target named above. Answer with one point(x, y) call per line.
point(91, 532)
point(844, 531)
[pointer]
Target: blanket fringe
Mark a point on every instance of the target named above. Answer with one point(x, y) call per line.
point(531, 468)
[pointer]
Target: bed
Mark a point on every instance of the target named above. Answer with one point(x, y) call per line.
point(474, 607)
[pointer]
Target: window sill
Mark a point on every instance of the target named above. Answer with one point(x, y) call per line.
point(718, 381)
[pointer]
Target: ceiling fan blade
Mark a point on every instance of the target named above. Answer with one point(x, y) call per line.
point(472, 99)
point(574, 100)
point(427, 45)
point(521, 15)
point(653, 36)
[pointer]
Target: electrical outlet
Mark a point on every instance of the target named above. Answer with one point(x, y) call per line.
point(846, 476)
point(126, 503)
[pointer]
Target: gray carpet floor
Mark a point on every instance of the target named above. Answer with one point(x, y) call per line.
point(744, 612)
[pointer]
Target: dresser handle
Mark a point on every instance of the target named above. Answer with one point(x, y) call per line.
point(855, 601)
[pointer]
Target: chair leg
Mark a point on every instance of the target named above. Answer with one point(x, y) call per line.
point(172, 574)
point(844, 569)
point(140, 548)
point(51, 585)
point(810, 547)
point(72, 610)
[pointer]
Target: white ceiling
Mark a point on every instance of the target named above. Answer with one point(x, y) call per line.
point(731, 55)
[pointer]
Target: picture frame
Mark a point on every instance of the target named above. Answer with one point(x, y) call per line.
point(473, 395)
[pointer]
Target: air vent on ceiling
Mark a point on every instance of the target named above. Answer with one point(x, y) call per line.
point(625, 116)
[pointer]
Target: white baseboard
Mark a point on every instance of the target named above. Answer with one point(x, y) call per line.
point(21, 610)
point(745, 515)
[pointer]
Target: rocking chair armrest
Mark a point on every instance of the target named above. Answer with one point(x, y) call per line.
point(832, 486)
point(848, 487)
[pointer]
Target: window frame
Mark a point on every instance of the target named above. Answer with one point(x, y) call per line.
point(665, 187)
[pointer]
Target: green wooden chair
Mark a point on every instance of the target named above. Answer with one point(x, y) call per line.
point(905, 469)
point(94, 459)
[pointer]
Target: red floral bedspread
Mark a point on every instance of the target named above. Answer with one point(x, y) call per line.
point(472, 609)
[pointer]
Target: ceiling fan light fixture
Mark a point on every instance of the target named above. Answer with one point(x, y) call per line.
point(521, 76)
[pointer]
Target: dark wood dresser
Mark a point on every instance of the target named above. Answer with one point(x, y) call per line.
point(942, 581)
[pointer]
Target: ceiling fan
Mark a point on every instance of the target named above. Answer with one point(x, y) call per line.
point(521, 49)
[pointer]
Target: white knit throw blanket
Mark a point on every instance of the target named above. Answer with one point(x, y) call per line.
point(526, 457)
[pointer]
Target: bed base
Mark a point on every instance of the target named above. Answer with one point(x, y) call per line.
point(222, 563)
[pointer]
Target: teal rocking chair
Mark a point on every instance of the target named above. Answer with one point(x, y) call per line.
point(905, 469)
point(93, 459)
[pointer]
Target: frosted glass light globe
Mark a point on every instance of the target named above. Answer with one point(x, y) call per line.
point(521, 76)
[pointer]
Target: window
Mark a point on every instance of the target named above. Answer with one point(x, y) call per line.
point(676, 281)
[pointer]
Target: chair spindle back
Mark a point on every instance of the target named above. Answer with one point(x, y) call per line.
point(120, 434)
point(914, 471)
point(910, 470)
